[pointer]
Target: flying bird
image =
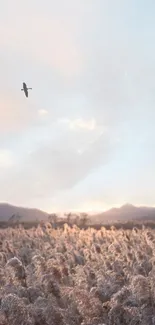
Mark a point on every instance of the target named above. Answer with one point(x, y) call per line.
point(25, 89)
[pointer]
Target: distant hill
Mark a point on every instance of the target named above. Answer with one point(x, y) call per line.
point(125, 213)
point(27, 214)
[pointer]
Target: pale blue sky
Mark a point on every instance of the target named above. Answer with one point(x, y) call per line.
point(85, 137)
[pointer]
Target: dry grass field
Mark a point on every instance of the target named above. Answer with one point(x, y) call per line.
point(71, 276)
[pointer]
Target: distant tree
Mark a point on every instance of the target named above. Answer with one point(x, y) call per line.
point(12, 218)
point(77, 220)
point(83, 219)
point(72, 218)
point(15, 219)
point(53, 219)
point(68, 217)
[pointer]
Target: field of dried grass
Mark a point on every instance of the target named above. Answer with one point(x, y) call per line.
point(72, 276)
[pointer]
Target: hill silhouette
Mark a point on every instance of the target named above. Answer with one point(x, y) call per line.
point(125, 213)
point(26, 214)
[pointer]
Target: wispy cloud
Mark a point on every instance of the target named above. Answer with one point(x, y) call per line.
point(92, 75)
point(49, 170)
point(42, 112)
point(80, 124)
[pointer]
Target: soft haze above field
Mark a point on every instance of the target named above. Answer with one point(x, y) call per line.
point(84, 139)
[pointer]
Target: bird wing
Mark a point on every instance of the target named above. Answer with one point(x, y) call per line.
point(26, 92)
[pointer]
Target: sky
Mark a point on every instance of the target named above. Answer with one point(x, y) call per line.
point(85, 137)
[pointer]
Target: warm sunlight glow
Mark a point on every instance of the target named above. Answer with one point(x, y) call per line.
point(83, 139)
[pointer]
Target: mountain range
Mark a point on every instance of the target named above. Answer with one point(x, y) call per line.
point(26, 214)
point(125, 213)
